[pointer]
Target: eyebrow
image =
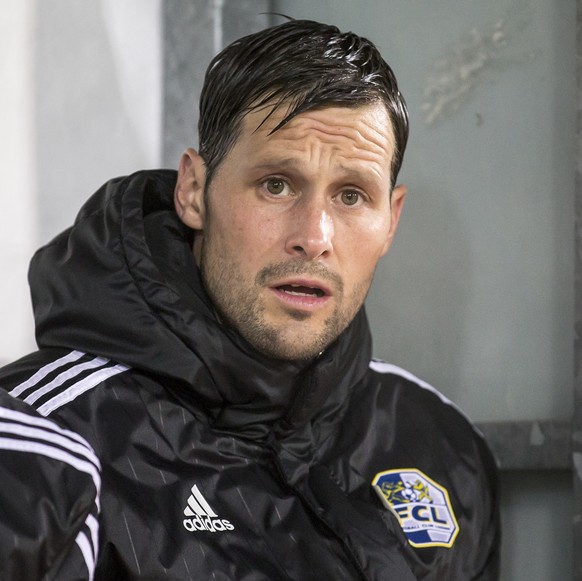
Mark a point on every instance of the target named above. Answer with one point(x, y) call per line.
point(282, 162)
point(290, 162)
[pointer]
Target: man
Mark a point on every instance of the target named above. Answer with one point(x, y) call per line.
point(204, 333)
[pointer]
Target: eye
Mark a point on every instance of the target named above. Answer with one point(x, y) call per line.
point(275, 186)
point(350, 197)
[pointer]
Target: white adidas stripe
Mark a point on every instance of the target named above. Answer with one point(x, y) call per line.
point(44, 371)
point(85, 546)
point(32, 447)
point(93, 525)
point(40, 434)
point(51, 427)
point(71, 392)
point(63, 377)
point(26, 426)
point(77, 389)
point(383, 367)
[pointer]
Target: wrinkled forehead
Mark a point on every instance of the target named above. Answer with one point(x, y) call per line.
point(362, 123)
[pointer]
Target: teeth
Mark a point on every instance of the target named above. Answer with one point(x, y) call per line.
point(298, 294)
point(302, 291)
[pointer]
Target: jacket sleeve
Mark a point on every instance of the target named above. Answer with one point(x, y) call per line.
point(49, 498)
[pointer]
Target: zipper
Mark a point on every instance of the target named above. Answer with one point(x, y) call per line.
point(314, 511)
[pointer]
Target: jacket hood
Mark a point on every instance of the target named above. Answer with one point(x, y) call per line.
point(122, 283)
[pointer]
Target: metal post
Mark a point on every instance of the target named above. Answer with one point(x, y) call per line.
point(194, 31)
point(577, 422)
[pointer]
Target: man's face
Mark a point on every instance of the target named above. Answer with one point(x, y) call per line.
point(292, 224)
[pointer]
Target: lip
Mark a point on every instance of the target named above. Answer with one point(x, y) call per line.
point(301, 300)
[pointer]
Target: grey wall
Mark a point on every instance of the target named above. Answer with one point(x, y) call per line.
point(81, 103)
point(194, 31)
point(97, 112)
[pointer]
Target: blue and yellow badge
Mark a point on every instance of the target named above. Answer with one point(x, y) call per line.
point(421, 505)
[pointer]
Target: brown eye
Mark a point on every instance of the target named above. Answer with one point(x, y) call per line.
point(275, 186)
point(350, 198)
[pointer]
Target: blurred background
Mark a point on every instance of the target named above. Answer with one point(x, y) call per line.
point(477, 295)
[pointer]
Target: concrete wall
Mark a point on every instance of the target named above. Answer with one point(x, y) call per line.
point(81, 103)
point(18, 218)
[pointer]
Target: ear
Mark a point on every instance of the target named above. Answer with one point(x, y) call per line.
point(396, 203)
point(189, 191)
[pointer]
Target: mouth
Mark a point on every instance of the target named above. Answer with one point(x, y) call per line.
point(302, 294)
point(301, 290)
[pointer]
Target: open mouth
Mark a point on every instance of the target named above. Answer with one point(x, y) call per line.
point(301, 291)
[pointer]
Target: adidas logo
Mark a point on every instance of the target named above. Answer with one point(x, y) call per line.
point(202, 517)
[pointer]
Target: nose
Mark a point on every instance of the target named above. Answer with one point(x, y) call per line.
point(311, 231)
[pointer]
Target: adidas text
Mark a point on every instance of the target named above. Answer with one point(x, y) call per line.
point(206, 523)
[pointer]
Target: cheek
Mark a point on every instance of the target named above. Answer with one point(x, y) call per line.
point(368, 241)
point(251, 237)
point(379, 237)
point(362, 255)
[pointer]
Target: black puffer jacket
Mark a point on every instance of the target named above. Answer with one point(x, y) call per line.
point(217, 463)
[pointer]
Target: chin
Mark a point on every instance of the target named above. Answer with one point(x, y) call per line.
point(296, 349)
point(290, 355)
point(289, 339)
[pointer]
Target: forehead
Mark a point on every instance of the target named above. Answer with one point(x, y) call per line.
point(366, 131)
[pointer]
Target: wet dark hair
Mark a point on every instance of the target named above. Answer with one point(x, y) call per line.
point(304, 64)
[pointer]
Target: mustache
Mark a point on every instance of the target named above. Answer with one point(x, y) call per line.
point(299, 268)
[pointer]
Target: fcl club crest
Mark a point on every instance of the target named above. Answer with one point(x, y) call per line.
point(421, 505)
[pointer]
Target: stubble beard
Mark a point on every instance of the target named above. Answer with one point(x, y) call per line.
point(240, 306)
